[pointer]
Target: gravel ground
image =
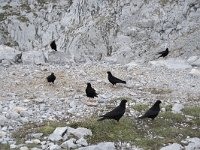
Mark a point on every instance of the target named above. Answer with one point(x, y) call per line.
point(27, 97)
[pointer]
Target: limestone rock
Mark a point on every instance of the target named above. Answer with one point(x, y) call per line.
point(79, 132)
point(174, 146)
point(33, 57)
point(8, 53)
point(100, 146)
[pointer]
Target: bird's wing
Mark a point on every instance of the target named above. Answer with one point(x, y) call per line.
point(161, 52)
point(117, 79)
point(150, 112)
point(115, 112)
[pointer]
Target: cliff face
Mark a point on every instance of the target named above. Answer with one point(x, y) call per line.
point(117, 30)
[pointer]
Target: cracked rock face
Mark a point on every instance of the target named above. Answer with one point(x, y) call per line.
point(88, 30)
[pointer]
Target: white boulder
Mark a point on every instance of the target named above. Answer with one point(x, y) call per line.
point(173, 146)
point(100, 146)
point(33, 57)
point(9, 53)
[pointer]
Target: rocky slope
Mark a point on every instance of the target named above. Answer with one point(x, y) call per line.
point(26, 97)
point(94, 37)
point(87, 30)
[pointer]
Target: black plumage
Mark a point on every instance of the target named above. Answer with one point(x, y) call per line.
point(114, 80)
point(90, 92)
point(51, 78)
point(153, 111)
point(53, 45)
point(164, 53)
point(116, 113)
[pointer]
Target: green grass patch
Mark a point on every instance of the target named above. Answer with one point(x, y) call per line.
point(46, 128)
point(159, 91)
point(110, 130)
point(147, 134)
point(4, 147)
point(140, 107)
point(163, 2)
point(192, 111)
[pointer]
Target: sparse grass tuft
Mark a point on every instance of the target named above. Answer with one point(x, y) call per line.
point(159, 91)
point(22, 19)
point(140, 107)
point(166, 128)
point(126, 98)
point(110, 130)
point(164, 2)
point(4, 147)
point(192, 111)
point(46, 128)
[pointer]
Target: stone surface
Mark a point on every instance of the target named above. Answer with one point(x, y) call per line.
point(100, 146)
point(193, 144)
point(79, 132)
point(55, 147)
point(57, 133)
point(174, 146)
point(33, 57)
point(8, 53)
point(69, 144)
point(24, 148)
point(176, 108)
point(84, 34)
point(82, 142)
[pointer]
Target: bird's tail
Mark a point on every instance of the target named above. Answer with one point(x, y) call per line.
point(124, 82)
point(96, 95)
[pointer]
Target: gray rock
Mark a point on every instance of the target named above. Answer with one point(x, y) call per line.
point(195, 72)
point(36, 135)
point(24, 148)
point(12, 115)
point(2, 134)
point(12, 146)
point(100, 146)
point(69, 144)
point(82, 142)
point(33, 57)
point(3, 120)
point(6, 63)
point(171, 63)
point(54, 147)
point(79, 132)
point(194, 144)
point(8, 53)
point(54, 137)
point(58, 58)
point(57, 134)
point(35, 148)
point(36, 141)
point(173, 146)
point(176, 108)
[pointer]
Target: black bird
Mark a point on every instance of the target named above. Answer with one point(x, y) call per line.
point(164, 53)
point(51, 78)
point(116, 113)
point(90, 92)
point(114, 80)
point(153, 111)
point(53, 45)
